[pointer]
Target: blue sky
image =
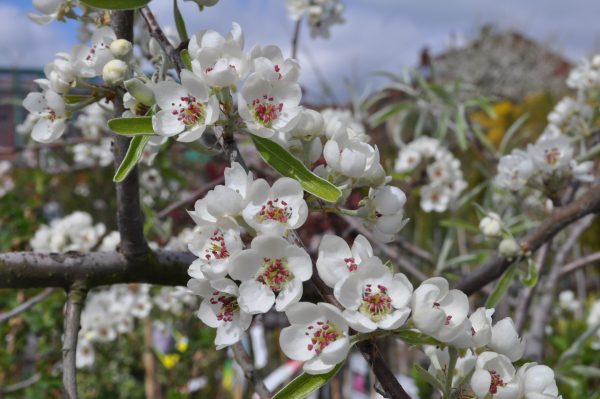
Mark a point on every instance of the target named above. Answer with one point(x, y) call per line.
point(377, 35)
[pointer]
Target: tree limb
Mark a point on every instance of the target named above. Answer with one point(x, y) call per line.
point(129, 212)
point(75, 300)
point(558, 220)
point(41, 270)
point(26, 305)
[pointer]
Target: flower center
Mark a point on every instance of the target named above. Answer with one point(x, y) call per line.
point(275, 210)
point(275, 274)
point(376, 303)
point(496, 382)
point(189, 111)
point(266, 110)
point(216, 247)
point(51, 115)
point(322, 334)
point(229, 306)
point(351, 264)
point(552, 155)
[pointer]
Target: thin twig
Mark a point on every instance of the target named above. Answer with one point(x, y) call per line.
point(243, 359)
point(539, 320)
point(75, 299)
point(26, 305)
point(190, 198)
point(296, 38)
point(579, 263)
point(157, 33)
point(20, 385)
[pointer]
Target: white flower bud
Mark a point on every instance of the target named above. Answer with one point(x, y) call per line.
point(509, 248)
point(121, 48)
point(596, 61)
point(491, 225)
point(114, 72)
point(140, 91)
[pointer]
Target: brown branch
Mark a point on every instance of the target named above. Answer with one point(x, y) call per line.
point(41, 270)
point(75, 300)
point(558, 220)
point(190, 198)
point(20, 385)
point(157, 33)
point(579, 263)
point(243, 359)
point(129, 212)
point(296, 38)
point(369, 350)
point(539, 321)
point(151, 384)
point(26, 305)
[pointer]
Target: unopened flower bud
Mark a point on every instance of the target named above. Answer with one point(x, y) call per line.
point(140, 91)
point(120, 48)
point(114, 72)
point(491, 225)
point(596, 61)
point(509, 248)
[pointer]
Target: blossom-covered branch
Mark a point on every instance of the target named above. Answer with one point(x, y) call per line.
point(558, 220)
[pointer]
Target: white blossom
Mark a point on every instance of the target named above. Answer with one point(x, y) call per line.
point(274, 210)
point(318, 336)
point(374, 298)
point(186, 109)
point(336, 260)
point(272, 272)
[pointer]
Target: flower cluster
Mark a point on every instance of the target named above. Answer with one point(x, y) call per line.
point(321, 14)
point(271, 271)
point(74, 232)
point(433, 163)
point(107, 57)
point(544, 166)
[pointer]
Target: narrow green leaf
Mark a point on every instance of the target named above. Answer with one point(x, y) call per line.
point(511, 132)
point(531, 279)
point(288, 165)
point(132, 126)
point(442, 125)
point(414, 337)
point(461, 127)
point(586, 371)
point(484, 104)
point(187, 60)
point(305, 384)
point(460, 224)
point(116, 4)
point(75, 98)
point(428, 377)
point(500, 288)
point(134, 152)
point(387, 112)
point(179, 22)
point(484, 140)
